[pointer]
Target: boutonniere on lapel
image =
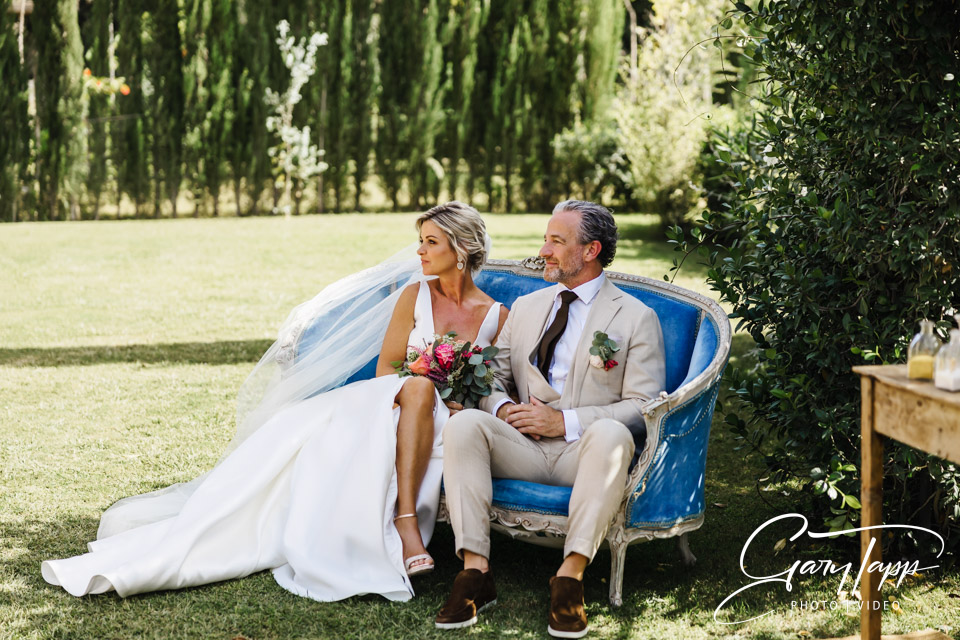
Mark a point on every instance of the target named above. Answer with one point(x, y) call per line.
point(602, 350)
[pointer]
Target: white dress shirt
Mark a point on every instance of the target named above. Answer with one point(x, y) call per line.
point(567, 346)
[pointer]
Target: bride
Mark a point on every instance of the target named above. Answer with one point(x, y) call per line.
point(336, 492)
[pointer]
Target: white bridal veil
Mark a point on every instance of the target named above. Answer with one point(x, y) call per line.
point(346, 321)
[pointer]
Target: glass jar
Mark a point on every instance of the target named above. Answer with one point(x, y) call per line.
point(923, 348)
point(947, 364)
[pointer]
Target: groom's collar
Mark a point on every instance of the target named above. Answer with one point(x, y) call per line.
point(587, 291)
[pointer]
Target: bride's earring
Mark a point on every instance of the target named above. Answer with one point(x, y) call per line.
point(460, 264)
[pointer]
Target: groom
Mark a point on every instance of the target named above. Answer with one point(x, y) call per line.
point(577, 421)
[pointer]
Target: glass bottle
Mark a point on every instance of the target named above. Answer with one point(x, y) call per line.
point(947, 364)
point(923, 348)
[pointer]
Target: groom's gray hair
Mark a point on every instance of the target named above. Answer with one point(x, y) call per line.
point(596, 223)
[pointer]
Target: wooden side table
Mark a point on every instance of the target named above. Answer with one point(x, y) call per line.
point(916, 413)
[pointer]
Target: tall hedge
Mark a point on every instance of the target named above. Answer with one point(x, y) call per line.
point(13, 112)
point(411, 94)
point(164, 55)
point(844, 234)
point(61, 157)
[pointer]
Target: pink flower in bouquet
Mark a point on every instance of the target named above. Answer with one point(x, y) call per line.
point(420, 366)
point(445, 354)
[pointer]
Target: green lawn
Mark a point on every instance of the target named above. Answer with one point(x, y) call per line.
point(122, 346)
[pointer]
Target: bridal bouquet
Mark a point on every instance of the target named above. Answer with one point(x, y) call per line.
point(461, 372)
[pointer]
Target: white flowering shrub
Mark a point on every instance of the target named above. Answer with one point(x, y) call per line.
point(294, 156)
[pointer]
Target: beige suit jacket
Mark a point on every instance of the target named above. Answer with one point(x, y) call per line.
point(594, 393)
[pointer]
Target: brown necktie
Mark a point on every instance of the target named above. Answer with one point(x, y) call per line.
point(552, 336)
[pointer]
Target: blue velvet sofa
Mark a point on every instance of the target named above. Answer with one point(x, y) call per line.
point(664, 494)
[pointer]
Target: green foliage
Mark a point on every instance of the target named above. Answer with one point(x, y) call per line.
point(208, 93)
point(451, 87)
point(411, 95)
point(601, 51)
point(61, 154)
point(131, 129)
point(460, 39)
point(665, 115)
point(13, 113)
point(164, 102)
point(591, 161)
point(362, 89)
point(96, 35)
point(844, 232)
point(253, 72)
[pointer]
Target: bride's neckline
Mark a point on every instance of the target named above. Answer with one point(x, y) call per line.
point(433, 322)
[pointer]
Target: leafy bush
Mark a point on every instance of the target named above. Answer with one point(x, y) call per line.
point(844, 233)
point(665, 116)
point(592, 162)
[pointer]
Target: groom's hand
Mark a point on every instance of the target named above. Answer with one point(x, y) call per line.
point(536, 420)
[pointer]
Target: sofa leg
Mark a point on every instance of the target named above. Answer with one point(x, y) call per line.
point(618, 557)
point(685, 554)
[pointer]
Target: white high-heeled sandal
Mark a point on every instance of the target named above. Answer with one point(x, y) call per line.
point(420, 569)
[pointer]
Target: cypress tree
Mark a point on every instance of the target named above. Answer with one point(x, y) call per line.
point(208, 92)
point(461, 33)
point(329, 105)
point(165, 102)
point(361, 92)
point(480, 149)
point(14, 144)
point(241, 142)
point(426, 109)
point(129, 143)
point(602, 49)
point(411, 61)
point(59, 59)
point(551, 94)
point(254, 57)
point(97, 43)
point(395, 19)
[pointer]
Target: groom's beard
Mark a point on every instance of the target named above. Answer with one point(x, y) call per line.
point(556, 273)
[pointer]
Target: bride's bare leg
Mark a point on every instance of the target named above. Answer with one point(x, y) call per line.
point(414, 444)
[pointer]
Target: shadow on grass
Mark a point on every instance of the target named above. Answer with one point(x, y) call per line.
point(225, 352)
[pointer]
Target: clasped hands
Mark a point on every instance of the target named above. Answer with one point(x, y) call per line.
point(535, 419)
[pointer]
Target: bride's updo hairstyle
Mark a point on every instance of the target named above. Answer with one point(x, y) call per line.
point(465, 230)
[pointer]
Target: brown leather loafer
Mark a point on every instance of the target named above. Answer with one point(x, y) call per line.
point(567, 616)
point(473, 591)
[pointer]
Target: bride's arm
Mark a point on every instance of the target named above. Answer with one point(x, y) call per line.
point(398, 331)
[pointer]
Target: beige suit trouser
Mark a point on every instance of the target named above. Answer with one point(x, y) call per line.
point(478, 447)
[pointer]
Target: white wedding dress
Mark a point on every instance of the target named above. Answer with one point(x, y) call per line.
point(310, 495)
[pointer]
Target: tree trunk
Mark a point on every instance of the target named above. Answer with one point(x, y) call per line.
point(254, 201)
point(470, 186)
point(508, 187)
point(236, 195)
point(320, 141)
point(157, 197)
point(287, 192)
point(174, 194)
point(356, 196)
